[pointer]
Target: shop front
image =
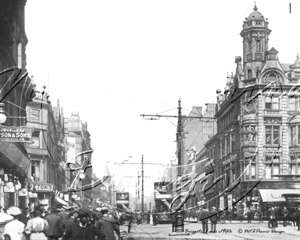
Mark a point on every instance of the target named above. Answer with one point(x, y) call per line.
point(267, 194)
point(14, 165)
point(44, 192)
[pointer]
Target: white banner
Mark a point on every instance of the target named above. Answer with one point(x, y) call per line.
point(229, 197)
point(71, 146)
point(221, 203)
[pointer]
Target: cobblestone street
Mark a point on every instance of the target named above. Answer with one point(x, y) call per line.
point(234, 230)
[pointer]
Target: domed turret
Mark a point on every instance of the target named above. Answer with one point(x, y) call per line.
point(255, 15)
point(255, 36)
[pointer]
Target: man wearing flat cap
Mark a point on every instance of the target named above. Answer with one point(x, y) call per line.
point(107, 225)
point(15, 228)
point(82, 230)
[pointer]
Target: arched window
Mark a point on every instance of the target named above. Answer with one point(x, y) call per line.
point(258, 46)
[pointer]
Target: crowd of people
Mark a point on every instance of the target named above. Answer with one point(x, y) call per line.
point(61, 224)
point(272, 215)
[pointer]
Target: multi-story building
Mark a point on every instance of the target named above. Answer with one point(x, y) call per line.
point(196, 133)
point(46, 153)
point(256, 148)
point(77, 133)
point(16, 90)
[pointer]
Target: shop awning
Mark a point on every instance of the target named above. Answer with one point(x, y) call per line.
point(277, 195)
point(61, 201)
point(14, 156)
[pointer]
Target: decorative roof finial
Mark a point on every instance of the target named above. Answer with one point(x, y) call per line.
point(297, 56)
point(255, 7)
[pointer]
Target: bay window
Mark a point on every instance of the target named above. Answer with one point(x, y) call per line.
point(272, 103)
point(272, 135)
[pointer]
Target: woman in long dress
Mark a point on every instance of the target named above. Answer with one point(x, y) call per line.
point(37, 226)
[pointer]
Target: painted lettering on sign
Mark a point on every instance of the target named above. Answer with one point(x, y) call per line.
point(40, 187)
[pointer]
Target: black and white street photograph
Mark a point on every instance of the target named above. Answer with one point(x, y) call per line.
point(141, 120)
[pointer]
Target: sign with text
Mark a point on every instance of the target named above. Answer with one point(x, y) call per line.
point(16, 134)
point(122, 198)
point(44, 187)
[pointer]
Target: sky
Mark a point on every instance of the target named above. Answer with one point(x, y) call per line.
point(114, 60)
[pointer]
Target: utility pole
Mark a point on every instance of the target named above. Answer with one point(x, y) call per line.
point(179, 230)
point(142, 184)
point(142, 175)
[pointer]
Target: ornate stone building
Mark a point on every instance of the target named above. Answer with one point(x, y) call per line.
point(16, 90)
point(257, 144)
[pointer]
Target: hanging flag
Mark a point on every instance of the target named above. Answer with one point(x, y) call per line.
point(107, 177)
point(71, 146)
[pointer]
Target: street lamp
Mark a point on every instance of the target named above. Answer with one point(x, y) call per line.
point(2, 114)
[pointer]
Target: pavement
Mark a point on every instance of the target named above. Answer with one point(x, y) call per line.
point(234, 230)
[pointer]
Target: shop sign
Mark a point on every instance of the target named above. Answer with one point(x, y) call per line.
point(32, 195)
point(222, 203)
point(8, 189)
point(44, 201)
point(44, 187)
point(229, 197)
point(274, 185)
point(16, 134)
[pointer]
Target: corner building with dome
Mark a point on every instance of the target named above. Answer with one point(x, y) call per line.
point(255, 154)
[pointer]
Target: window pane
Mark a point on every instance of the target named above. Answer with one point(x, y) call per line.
point(275, 103)
point(253, 170)
point(276, 135)
point(292, 105)
point(34, 114)
point(247, 171)
point(275, 170)
point(293, 168)
point(268, 103)
point(298, 134)
point(268, 171)
point(268, 134)
point(293, 135)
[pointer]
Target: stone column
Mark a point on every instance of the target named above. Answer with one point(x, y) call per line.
point(260, 137)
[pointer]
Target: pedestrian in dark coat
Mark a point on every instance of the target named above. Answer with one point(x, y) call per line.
point(107, 225)
point(204, 215)
point(154, 216)
point(82, 230)
point(148, 217)
point(298, 217)
point(273, 217)
point(249, 215)
point(55, 222)
point(25, 216)
point(213, 219)
point(173, 221)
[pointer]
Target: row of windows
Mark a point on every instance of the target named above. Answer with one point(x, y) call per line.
point(230, 117)
point(227, 145)
point(273, 103)
point(251, 173)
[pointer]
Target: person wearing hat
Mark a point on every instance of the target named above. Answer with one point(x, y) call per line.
point(55, 222)
point(15, 228)
point(37, 226)
point(297, 213)
point(107, 225)
point(82, 230)
point(72, 219)
point(213, 219)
